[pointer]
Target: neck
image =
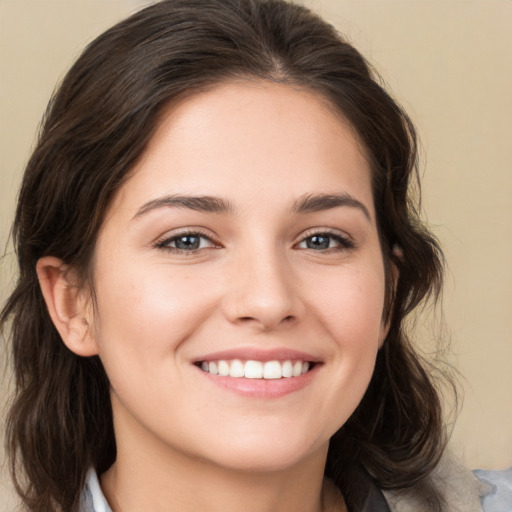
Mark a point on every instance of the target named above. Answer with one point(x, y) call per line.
point(128, 490)
point(162, 480)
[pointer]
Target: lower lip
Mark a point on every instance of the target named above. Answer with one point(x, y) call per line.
point(263, 388)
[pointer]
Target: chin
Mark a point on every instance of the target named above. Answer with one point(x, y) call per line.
point(265, 454)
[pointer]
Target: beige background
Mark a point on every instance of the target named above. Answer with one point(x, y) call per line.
point(449, 63)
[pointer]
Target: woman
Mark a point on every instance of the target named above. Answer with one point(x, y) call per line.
point(218, 249)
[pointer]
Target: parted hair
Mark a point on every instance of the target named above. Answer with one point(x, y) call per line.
point(98, 124)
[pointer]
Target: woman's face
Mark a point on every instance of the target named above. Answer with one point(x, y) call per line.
point(244, 243)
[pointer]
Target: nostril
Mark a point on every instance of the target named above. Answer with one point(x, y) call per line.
point(267, 322)
point(247, 319)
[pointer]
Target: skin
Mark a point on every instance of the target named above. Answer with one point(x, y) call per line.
point(256, 281)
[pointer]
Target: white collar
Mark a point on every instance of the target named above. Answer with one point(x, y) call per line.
point(93, 498)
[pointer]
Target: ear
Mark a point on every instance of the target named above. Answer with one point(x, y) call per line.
point(395, 274)
point(68, 305)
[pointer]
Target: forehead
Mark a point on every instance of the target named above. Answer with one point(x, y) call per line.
point(251, 139)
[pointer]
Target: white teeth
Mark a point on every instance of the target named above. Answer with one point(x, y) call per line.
point(237, 369)
point(272, 370)
point(223, 368)
point(253, 370)
point(256, 369)
point(287, 369)
point(297, 368)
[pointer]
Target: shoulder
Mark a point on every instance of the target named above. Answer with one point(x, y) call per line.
point(92, 498)
point(458, 487)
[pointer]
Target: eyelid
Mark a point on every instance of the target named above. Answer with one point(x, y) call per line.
point(326, 231)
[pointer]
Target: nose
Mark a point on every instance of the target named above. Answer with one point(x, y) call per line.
point(262, 292)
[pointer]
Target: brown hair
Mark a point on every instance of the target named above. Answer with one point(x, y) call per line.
point(97, 125)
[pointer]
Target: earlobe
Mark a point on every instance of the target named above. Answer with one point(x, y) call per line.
point(68, 305)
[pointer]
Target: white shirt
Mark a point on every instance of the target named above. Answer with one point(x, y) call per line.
point(92, 498)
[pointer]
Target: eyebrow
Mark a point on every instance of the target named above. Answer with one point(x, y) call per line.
point(311, 203)
point(206, 204)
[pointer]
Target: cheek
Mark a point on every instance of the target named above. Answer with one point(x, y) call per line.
point(147, 314)
point(144, 321)
point(350, 303)
point(349, 308)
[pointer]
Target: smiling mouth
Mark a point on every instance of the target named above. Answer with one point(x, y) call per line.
point(252, 369)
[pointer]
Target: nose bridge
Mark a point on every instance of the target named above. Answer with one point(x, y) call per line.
point(261, 287)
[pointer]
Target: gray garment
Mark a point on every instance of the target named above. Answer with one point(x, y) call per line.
point(500, 498)
point(459, 489)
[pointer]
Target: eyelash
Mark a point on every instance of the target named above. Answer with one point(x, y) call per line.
point(343, 242)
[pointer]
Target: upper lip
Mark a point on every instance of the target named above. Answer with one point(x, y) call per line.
point(259, 354)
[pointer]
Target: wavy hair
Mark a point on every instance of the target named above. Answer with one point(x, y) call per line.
point(96, 127)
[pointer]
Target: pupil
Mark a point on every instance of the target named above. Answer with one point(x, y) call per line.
point(318, 242)
point(187, 242)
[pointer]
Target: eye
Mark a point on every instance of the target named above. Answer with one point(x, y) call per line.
point(186, 242)
point(326, 242)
